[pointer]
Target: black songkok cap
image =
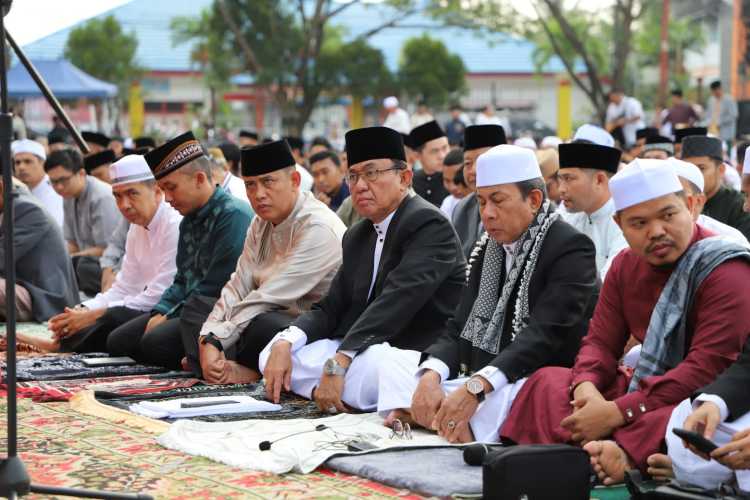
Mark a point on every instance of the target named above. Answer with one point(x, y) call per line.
point(248, 134)
point(681, 133)
point(266, 158)
point(581, 155)
point(373, 143)
point(127, 151)
point(144, 142)
point(407, 140)
point(96, 138)
point(57, 137)
point(658, 139)
point(483, 136)
point(96, 160)
point(419, 136)
point(701, 145)
point(645, 133)
point(173, 154)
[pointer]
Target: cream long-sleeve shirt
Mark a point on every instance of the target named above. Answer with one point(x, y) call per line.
point(148, 266)
point(287, 268)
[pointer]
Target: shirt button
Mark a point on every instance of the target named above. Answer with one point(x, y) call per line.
point(629, 413)
point(429, 191)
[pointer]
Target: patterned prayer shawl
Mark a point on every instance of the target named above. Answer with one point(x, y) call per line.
point(485, 323)
point(664, 345)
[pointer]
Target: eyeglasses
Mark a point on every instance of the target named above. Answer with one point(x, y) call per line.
point(61, 180)
point(369, 176)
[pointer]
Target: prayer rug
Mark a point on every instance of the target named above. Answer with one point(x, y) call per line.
point(29, 329)
point(63, 390)
point(61, 447)
point(61, 367)
point(293, 406)
point(420, 470)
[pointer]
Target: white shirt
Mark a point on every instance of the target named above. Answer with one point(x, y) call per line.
point(732, 178)
point(722, 229)
point(603, 231)
point(418, 119)
point(296, 336)
point(483, 119)
point(306, 181)
point(52, 201)
point(398, 120)
point(235, 186)
point(149, 264)
point(629, 107)
point(448, 205)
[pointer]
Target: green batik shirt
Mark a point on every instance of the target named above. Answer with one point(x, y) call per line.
point(211, 241)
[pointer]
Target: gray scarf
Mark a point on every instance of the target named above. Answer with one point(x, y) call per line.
point(484, 326)
point(664, 345)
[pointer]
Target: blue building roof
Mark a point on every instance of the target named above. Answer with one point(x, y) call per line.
point(150, 21)
point(64, 79)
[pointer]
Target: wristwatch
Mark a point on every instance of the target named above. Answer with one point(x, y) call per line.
point(332, 367)
point(475, 386)
point(213, 340)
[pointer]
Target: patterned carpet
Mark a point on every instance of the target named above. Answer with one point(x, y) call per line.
point(61, 447)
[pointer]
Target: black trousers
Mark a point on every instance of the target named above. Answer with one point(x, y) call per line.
point(89, 274)
point(161, 346)
point(253, 338)
point(94, 338)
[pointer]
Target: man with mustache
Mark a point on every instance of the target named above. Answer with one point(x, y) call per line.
point(585, 170)
point(689, 328)
point(148, 266)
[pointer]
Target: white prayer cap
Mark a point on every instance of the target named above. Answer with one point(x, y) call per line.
point(551, 141)
point(643, 180)
point(130, 168)
point(595, 134)
point(525, 142)
point(506, 164)
point(390, 102)
point(688, 171)
point(28, 146)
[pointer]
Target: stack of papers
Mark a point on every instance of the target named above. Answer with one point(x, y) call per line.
point(198, 407)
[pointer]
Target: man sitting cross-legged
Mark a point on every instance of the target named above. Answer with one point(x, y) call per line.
point(292, 251)
point(676, 291)
point(400, 280)
point(148, 264)
point(531, 290)
point(212, 233)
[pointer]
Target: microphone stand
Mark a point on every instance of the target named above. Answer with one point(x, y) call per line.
point(14, 479)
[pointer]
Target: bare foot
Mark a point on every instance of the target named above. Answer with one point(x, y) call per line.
point(608, 460)
point(235, 373)
point(403, 415)
point(48, 344)
point(660, 467)
point(185, 365)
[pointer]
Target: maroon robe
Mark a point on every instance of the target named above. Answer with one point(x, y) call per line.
point(720, 326)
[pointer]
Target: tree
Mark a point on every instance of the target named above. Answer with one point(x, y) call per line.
point(429, 72)
point(593, 46)
point(294, 49)
point(101, 48)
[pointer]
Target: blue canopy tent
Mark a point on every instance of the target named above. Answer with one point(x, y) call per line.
point(65, 80)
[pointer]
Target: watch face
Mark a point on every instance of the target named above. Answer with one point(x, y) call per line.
point(474, 386)
point(330, 366)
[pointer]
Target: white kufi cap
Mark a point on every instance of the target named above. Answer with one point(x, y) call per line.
point(28, 146)
point(130, 168)
point(551, 141)
point(390, 102)
point(643, 180)
point(595, 134)
point(506, 164)
point(525, 142)
point(688, 171)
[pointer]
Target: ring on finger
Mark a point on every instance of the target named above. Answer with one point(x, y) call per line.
point(451, 424)
point(332, 410)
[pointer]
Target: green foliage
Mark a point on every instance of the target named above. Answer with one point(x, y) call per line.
point(209, 42)
point(354, 68)
point(429, 72)
point(101, 48)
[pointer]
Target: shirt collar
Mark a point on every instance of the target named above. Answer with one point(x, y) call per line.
point(604, 211)
point(158, 218)
point(382, 227)
point(289, 221)
point(205, 210)
point(227, 179)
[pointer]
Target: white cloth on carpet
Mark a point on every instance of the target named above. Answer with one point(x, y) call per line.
point(691, 468)
point(173, 408)
point(237, 443)
point(398, 381)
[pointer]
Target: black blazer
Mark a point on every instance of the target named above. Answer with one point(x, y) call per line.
point(733, 386)
point(419, 283)
point(563, 292)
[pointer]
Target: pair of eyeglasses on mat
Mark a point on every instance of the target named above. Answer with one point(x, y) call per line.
point(401, 430)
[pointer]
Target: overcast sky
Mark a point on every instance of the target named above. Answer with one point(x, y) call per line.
point(30, 20)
